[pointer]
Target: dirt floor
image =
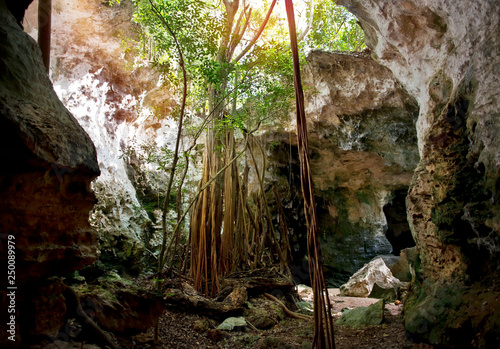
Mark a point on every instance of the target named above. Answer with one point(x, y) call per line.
point(177, 331)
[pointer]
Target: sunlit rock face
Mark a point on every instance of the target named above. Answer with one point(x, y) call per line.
point(447, 55)
point(363, 145)
point(111, 91)
point(48, 162)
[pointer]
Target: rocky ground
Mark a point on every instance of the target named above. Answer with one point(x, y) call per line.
point(177, 331)
point(190, 320)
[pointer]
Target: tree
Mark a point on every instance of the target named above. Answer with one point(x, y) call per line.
point(234, 78)
point(224, 81)
point(175, 159)
point(220, 206)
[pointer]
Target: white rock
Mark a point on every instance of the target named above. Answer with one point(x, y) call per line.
point(232, 323)
point(361, 283)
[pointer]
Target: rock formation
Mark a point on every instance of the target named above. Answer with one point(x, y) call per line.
point(427, 100)
point(45, 197)
point(362, 283)
point(112, 92)
point(363, 153)
point(121, 307)
point(447, 56)
point(363, 316)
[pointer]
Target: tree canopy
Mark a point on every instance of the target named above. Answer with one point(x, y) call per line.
point(199, 28)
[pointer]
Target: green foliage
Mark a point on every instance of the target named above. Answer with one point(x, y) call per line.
point(267, 93)
point(214, 72)
point(266, 71)
point(265, 87)
point(151, 206)
point(334, 28)
point(196, 25)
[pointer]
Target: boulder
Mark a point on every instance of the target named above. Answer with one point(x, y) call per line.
point(49, 163)
point(361, 284)
point(121, 308)
point(402, 269)
point(363, 316)
point(263, 313)
point(233, 324)
point(389, 259)
point(389, 294)
point(305, 307)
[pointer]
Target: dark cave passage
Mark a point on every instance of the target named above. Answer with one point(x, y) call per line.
point(398, 231)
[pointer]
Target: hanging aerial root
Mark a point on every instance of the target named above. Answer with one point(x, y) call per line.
point(288, 311)
point(323, 324)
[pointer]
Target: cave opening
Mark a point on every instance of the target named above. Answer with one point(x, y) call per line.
point(398, 230)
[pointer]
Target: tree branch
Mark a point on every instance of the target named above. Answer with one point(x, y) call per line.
point(309, 23)
point(256, 36)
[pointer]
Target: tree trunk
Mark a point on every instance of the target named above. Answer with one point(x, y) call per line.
point(207, 218)
point(223, 199)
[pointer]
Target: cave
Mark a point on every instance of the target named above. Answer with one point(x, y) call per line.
point(133, 214)
point(398, 230)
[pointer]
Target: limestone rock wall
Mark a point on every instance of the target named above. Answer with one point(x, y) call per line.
point(447, 55)
point(363, 143)
point(123, 104)
point(48, 162)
